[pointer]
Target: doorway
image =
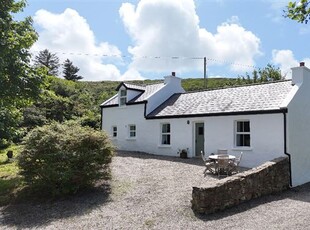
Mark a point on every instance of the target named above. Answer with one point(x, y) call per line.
point(199, 138)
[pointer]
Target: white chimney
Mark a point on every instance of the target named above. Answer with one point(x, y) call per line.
point(299, 74)
point(172, 79)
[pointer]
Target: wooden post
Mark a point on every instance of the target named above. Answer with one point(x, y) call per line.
point(205, 72)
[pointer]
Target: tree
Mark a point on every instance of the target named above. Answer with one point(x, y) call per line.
point(270, 73)
point(49, 60)
point(299, 12)
point(267, 74)
point(70, 71)
point(20, 83)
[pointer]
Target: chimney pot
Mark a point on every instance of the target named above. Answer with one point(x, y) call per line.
point(173, 74)
point(301, 64)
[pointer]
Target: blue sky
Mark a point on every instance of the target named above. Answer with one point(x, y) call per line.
point(148, 39)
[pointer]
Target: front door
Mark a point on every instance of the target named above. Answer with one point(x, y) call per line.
point(199, 138)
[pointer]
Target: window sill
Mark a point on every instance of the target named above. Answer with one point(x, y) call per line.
point(164, 146)
point(242, 149)
point(131, 139)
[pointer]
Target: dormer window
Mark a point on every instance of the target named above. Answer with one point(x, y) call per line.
point(123, 97)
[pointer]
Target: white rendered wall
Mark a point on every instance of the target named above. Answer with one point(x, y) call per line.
point(267, 138)
point(121, 117)
point(148, 138)
point(298, 128)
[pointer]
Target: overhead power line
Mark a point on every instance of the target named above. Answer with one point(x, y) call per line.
point(209, 59)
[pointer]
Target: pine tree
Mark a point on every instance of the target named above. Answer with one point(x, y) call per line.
point(49, 60)
point(70, 71)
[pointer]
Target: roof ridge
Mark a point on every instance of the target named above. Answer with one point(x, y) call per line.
point(126, 83)
point(142, 85)
point(238, 86)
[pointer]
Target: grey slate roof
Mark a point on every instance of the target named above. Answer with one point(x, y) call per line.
point(149, 89)
point(249, 98)
point(146, 91)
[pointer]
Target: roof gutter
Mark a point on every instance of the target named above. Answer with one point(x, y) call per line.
point(253, 112)
point(285, 146)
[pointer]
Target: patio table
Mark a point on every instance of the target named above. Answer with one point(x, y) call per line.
point(219, 168)
point(215, 157)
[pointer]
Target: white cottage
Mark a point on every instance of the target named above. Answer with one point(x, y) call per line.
point(264, 121)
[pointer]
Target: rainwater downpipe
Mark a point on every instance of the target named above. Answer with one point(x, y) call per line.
point(285, 146)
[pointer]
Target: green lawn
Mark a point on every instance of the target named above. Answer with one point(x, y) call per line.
point(10, 181)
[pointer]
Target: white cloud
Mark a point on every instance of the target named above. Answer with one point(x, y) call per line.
point(69, 36)
point(166, 29)
point(131, 74)
point(286, 60)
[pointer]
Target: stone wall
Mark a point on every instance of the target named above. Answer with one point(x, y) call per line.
point(271, 177)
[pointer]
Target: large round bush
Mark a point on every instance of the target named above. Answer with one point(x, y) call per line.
point(64, 158)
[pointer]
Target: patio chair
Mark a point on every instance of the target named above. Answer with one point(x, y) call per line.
point(235, 163)
point(222, 152)
point(210, 165)
point(223, 165)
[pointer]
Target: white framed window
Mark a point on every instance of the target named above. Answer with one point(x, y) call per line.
point(122, 97)
point(132, 131)
point(165, 134)
point(114, 131)
point(242, 134)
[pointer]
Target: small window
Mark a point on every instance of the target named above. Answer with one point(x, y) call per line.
point(165, 134)
point(123, 97)
point(114, 131)
point(200, 130)
point(243, 136)
point(132, 131)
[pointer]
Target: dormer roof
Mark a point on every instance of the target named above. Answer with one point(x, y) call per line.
point(145, 92)
point(131, 87)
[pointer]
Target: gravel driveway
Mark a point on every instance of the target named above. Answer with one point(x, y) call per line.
point(154, 192)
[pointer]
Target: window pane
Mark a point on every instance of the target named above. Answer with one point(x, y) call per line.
point(246, 138)
point(200, 131)
point(165, 140)
point(123, 101)
point(243, 140)
point(166, 128)
point(123, 93)
point(114, 134)
point(114, 129)
point(246, 126)
point(239, 126)
point(132, 133)
point(132, 128)
point(168, 139)
point(239, 140)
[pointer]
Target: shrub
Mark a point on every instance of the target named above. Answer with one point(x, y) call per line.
point(91, 119)
point(65, 158)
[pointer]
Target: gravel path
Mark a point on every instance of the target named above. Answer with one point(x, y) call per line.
point(154, 192)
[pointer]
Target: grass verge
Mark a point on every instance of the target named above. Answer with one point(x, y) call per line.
point(10, 181)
